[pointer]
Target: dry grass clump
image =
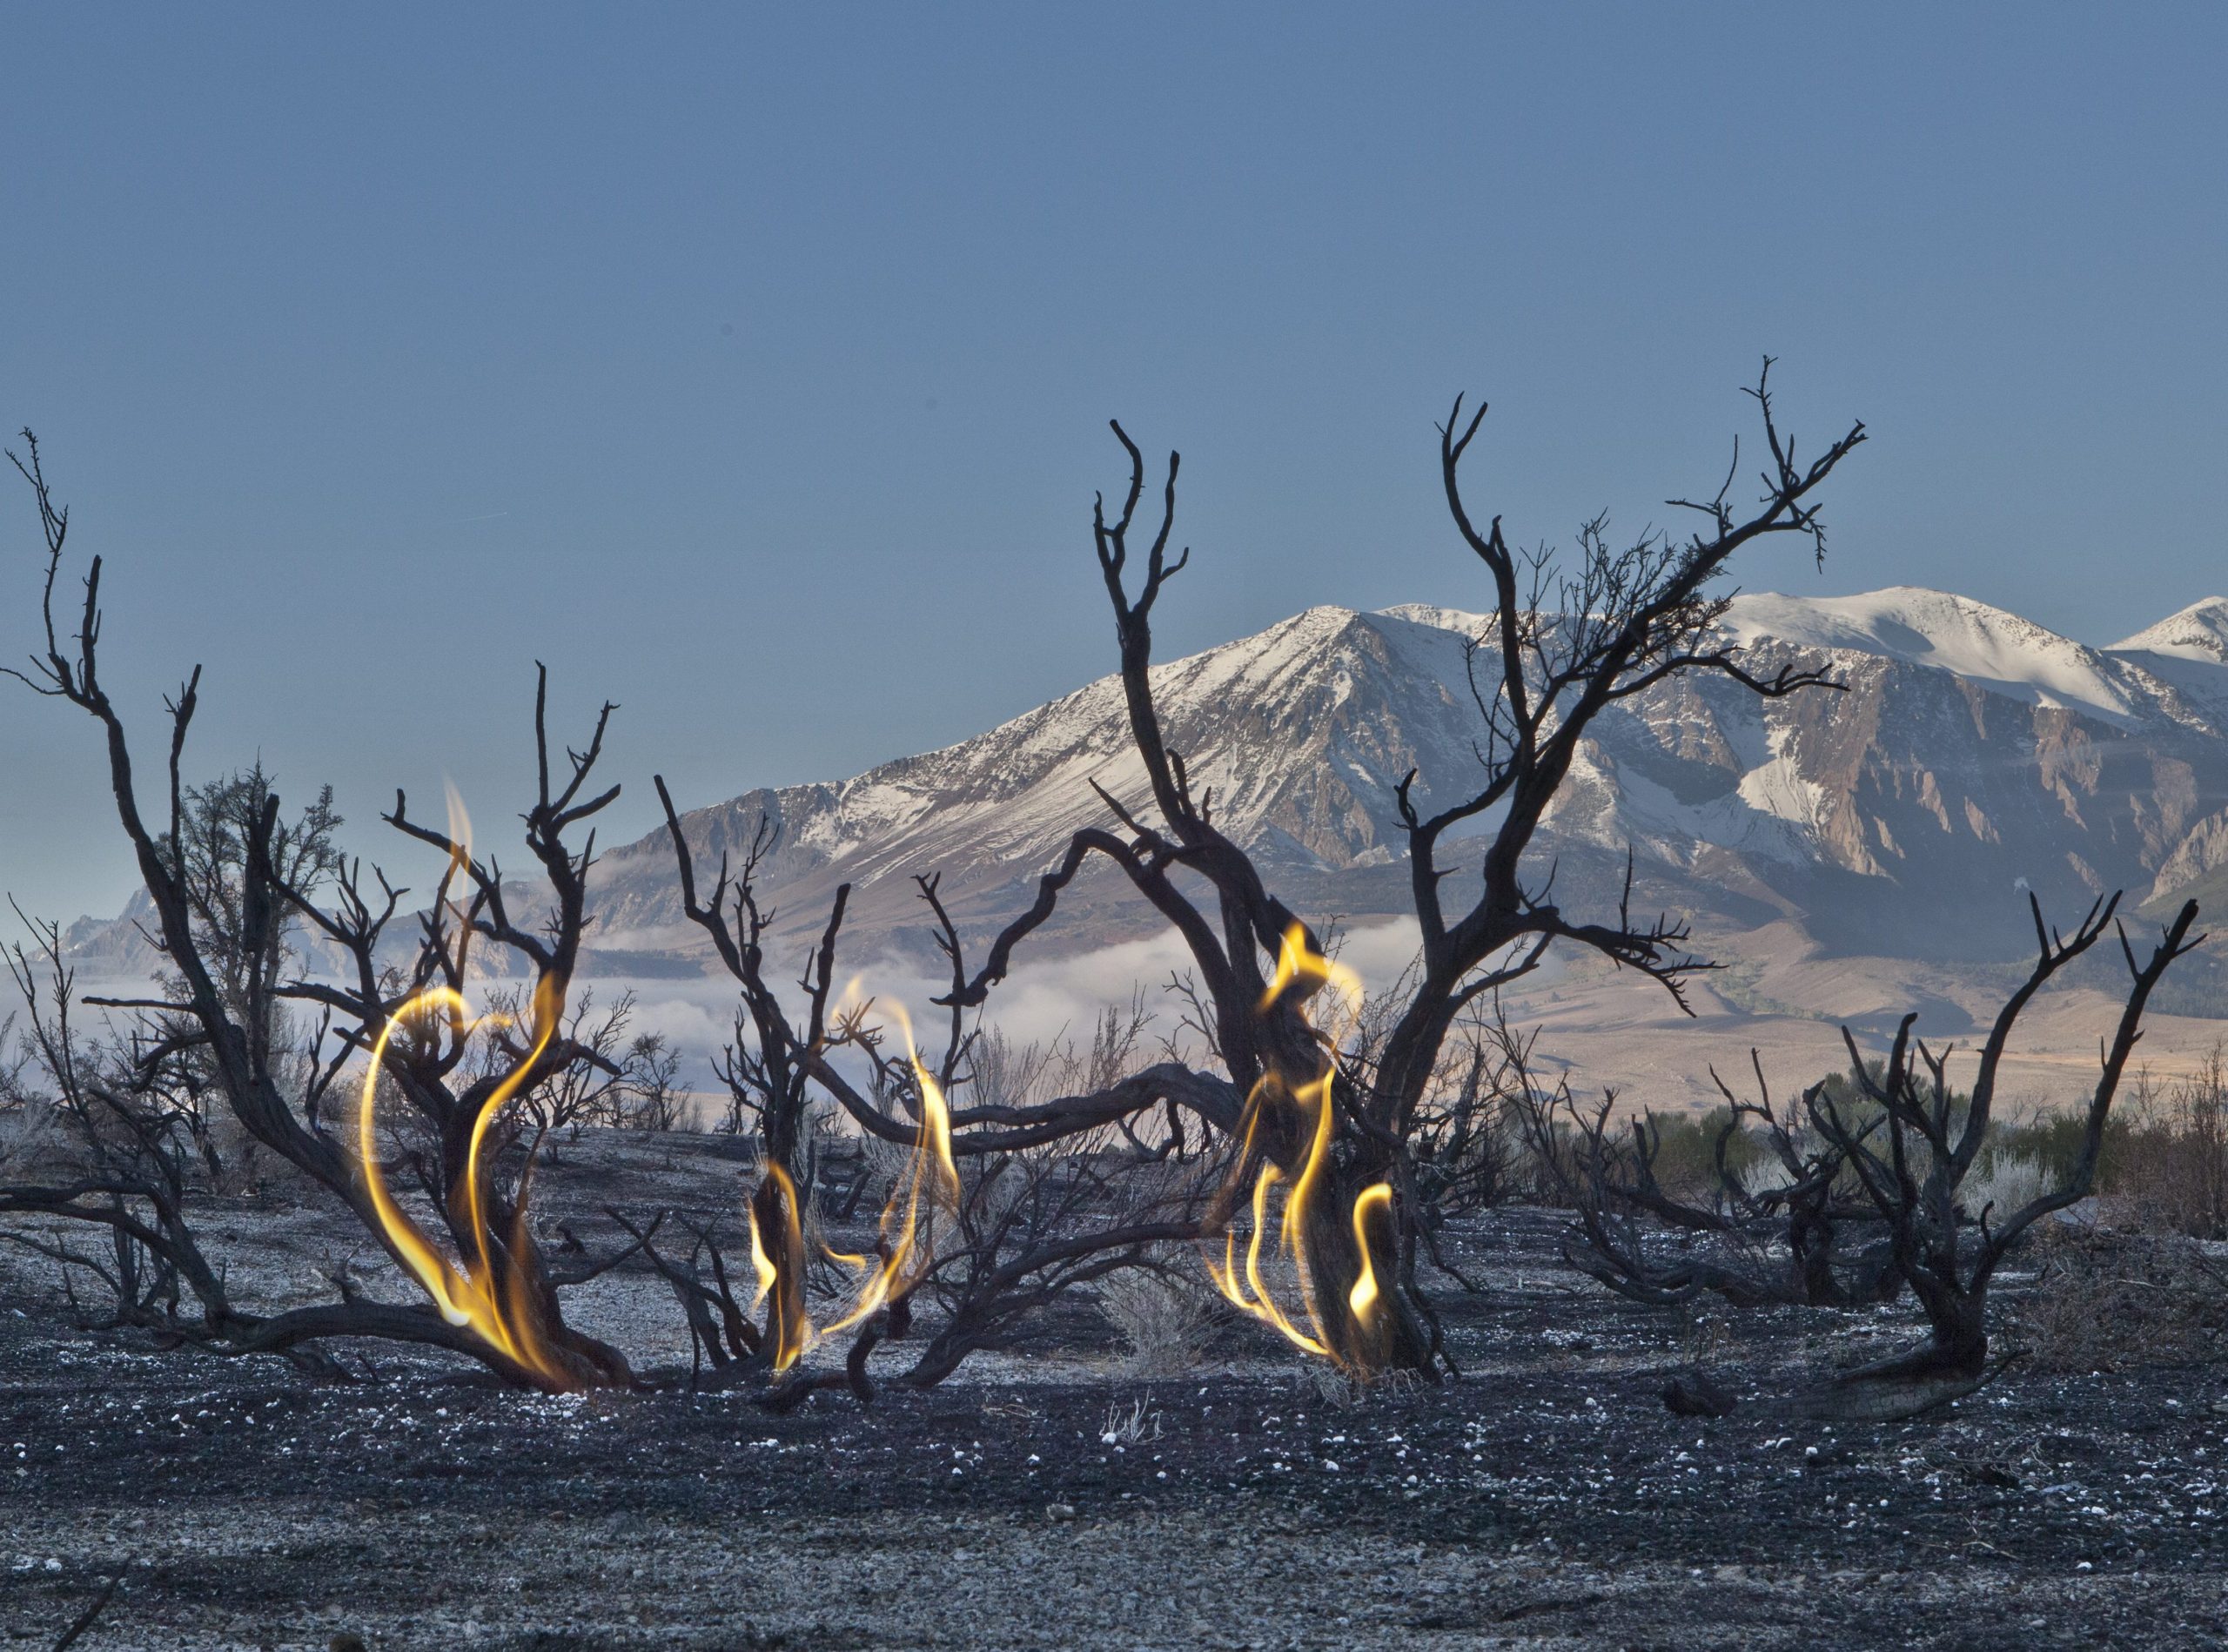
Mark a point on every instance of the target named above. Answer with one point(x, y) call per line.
point(2172, 1165)
point(2006, 1182)
point(1165, 1321)
point(2108, 1301)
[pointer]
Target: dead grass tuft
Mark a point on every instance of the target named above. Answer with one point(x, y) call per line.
point(2111, 1301)
point(1165, 1321)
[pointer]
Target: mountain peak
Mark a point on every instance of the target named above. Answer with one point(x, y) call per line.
point(1987, 645)
point(1459, 621)
point(2197, 632)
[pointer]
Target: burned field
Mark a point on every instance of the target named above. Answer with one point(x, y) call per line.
point(360, 1287)
point(1049, 1494)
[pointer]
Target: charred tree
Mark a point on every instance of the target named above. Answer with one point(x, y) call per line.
point(1932, 1144)
point(408, 1031)
point(1560, 648)
point(1812, 1240)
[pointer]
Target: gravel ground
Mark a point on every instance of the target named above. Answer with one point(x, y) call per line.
point(1042, 1498)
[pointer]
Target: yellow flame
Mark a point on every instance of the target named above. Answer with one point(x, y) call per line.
point(903, 1257)
point(459, 828)
point(456, 876)
point(769, 1275)
point(932, 1181)
point(790, 1329)
point(1362, 1299)
point(1298, 966)
point(1253, 1292)
point(467, 1294)
point(1298, 962)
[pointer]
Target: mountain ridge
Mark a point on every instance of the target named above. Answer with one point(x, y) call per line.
point(1972, 755)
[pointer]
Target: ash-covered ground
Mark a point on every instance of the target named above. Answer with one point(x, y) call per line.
point(1046, 1497)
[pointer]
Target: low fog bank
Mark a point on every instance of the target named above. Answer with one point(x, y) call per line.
point(1047, 1000)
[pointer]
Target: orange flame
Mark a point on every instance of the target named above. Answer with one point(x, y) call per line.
point(1299, 962)
point(499, 1310)
point(791, 1330)
point(769, 1274)
point(1300, 965)
point(902, 1258)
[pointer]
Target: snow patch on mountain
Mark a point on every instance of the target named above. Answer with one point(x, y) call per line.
point(1778, 787)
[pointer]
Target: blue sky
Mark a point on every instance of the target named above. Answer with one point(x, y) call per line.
point(751, 367)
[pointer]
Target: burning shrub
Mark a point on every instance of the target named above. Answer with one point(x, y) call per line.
point(1329, 1122)
point(998, 1190)
point(228, 878)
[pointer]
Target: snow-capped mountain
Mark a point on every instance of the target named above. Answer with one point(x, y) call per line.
point(2198, 632)
point(1301, 732)
point(1970, 755)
